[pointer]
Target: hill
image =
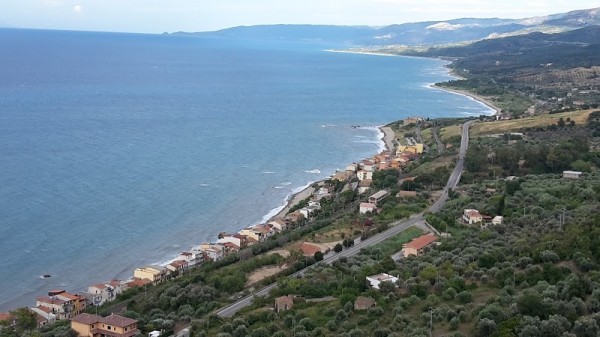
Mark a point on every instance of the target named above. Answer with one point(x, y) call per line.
point(414, 34)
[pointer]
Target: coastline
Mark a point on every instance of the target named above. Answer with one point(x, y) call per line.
point(385, 136)
point(472, 96)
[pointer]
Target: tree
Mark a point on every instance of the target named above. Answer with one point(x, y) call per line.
point(338, 248)
point(25, 320)
point(318, 256)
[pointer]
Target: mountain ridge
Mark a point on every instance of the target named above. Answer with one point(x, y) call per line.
point(412, 33)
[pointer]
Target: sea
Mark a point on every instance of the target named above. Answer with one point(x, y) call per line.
point(122, 150)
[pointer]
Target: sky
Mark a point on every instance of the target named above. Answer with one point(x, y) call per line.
point(158, 16)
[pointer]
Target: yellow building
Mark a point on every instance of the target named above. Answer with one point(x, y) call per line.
point(152, 273)
point(87, 325)
point(416, 148)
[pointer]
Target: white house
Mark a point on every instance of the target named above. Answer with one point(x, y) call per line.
point(472, 216)
point(100, 293)
point(362, 175)
point(366, 207)
point(377, 197)
point(213, 251)
point(497, 220)
point(279, 224)
point(571, 174)
point(352, 167)
point(375, 280)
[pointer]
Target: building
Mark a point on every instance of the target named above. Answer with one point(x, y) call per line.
point(366, 207)
point(417, 245)
point(284, 303)
point(43, 316)
point(177, 266)
point(362, 175)
point(59, 307)
point(214, 252)
point(100, 293)
point(237, 239)
point(375, 280)
point(153, 273)
point(411, 120)
point(572, 174)
point(472, 216)
point(364, 185)
point(416, 148)
point(497, 220)
point(364, 303)
point(87, 325)
point(378, 197)
point(279, 224)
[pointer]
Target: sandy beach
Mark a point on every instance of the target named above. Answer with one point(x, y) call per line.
point(388, 137)
point(473, 96)
point(293, 201)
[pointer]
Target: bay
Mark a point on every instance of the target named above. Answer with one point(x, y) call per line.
point(120, 150)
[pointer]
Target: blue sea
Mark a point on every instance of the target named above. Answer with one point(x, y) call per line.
point(120, 150)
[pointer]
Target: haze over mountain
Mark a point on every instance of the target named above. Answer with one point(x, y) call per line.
point(420, 33)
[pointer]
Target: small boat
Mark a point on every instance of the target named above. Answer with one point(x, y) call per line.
point(46, 276)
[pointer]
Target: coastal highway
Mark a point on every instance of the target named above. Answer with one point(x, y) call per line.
point(395, 228)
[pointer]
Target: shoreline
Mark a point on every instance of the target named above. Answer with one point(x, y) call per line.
point(385, 136)
point(486, 102)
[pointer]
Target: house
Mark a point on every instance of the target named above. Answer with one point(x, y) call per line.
point(283, 303)
point(194, 257)
point(375, 280)
point(43, 316)
point(571, 174)
point(362, 175)
point(472, 216)
point(383, 165)
point(497, 220)
point(366, 207)
point(87, 325)
point(214, 252)
point(237, 239)
point(352, 168)
point(411, 120)
point(294, 217)
point(416, 148)
point(364, 185)
point(138, 283)
point(377, 197)
point(364, 303)
point(61, 306)
point(177, 266)
point(279, 224)
point(417, 245)
point(231, 248)
point(100, 293)
point(78, 302)
point(153, 273)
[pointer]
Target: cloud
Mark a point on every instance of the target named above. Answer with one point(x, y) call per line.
point(77, 8)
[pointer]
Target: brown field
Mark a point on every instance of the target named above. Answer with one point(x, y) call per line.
point(513, 125)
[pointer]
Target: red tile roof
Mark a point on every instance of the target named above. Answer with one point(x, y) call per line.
point(99, 286)
point(119, 321)
point(86, 319)
point(421, 241)
point(50, 300)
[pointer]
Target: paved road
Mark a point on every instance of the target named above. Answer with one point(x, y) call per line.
point(394, 229)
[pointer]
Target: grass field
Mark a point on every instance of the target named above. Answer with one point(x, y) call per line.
point(514, 125)
point(449, 131)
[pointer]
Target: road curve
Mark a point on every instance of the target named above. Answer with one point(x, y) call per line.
point(395, 228)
